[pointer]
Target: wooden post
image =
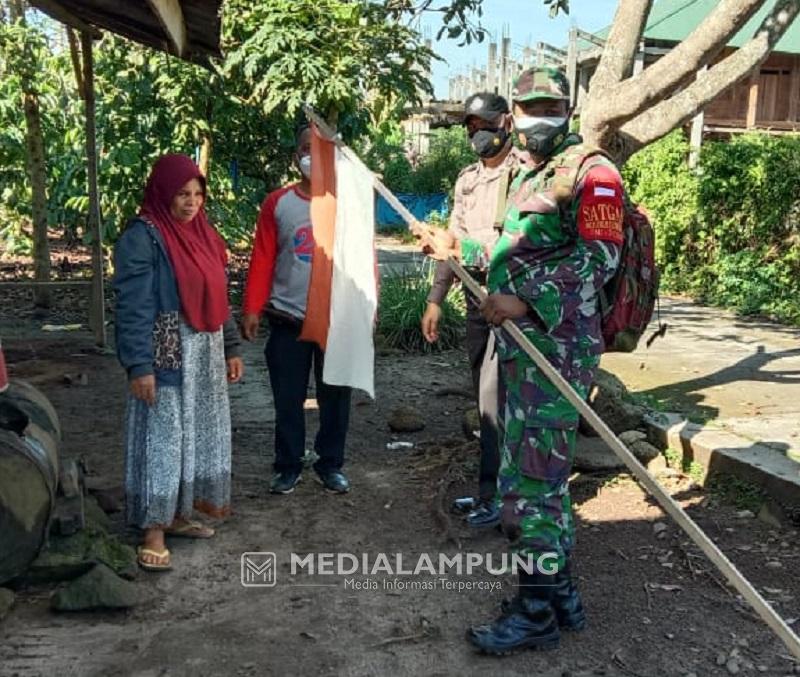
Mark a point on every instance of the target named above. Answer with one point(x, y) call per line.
point(696, 138)
point(572, 65)
point(97, 319)
point(638, 60)
point(752, 102)
point(583, 85)
point(794, 91)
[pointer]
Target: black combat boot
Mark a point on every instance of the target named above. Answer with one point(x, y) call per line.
point(528, 622)
point(567, 602)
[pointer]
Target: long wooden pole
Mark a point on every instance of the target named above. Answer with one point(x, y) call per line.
point(97, 308)
point(726, 567)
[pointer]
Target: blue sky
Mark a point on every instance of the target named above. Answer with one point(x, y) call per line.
point(528, 22)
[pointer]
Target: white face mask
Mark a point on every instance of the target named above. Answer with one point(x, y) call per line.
point(527, 122)
point(305, 165)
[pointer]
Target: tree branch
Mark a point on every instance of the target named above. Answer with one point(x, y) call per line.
point(616, 63)
point(661, 119)
point(682, 63)
point(76, 60)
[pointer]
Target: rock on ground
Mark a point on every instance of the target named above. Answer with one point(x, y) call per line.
point(6, 602)
point(65, 558)
point(592, 454)
point(609, 399)
point(101, 588)
point(470, 423)
point(406, 420)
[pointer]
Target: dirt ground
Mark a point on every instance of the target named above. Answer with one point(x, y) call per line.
point(656, 606)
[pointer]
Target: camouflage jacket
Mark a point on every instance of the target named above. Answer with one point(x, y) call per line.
point(559, 246)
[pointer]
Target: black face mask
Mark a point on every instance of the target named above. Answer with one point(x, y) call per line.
point(488, 142)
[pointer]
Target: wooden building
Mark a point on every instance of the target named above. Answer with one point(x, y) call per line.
point(769, 100)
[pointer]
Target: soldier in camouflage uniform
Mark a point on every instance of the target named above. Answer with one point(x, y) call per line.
point(560, 244)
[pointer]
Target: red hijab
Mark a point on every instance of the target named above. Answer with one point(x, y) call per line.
point(195, 249)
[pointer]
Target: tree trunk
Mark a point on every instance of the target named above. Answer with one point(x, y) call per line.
point(37, 173)
point(622, 116)
point(205, 155)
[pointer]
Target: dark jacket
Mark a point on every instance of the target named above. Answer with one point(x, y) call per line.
point(147, 316)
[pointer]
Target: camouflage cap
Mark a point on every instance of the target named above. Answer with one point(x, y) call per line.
point(541, 83)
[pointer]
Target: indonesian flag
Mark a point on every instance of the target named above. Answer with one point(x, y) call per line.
point(342, 294)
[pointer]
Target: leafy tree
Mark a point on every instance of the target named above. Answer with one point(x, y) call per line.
point(332, 54)
point(22, 57)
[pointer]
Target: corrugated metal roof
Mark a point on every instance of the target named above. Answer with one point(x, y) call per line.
point(674, 21)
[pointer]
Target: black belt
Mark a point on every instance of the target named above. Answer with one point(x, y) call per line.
point(282, 318)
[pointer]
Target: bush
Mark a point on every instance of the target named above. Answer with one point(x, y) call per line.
point(659, 178)
point(728, 234)
point(403, 299)
point(436, 172)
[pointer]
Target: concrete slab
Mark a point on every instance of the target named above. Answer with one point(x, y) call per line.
point(722, 451)
point(734, 385)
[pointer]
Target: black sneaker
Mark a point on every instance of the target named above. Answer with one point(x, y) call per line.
point(464, 504)
point(335, 481)
point(284, 482)
point(484, 516)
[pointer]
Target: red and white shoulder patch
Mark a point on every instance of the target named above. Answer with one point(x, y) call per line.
point(600, 211)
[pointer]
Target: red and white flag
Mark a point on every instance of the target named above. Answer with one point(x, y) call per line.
point(342, 295)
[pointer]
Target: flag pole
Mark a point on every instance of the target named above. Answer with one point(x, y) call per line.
point(725, 566)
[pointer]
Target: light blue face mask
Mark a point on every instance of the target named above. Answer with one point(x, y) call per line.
point(305, 165)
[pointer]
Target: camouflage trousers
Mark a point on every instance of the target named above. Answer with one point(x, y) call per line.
point(538, 429)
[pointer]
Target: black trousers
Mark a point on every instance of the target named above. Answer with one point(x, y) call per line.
point(289, 362)
point(485, 377)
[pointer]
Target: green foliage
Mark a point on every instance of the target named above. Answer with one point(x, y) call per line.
point(403, 299)
point(435, 172)
point(659, 178)
point(696, 471)
point(23, 52)
point(347, 58)
point(328, 53)
point(730, 489)
point(728, 234)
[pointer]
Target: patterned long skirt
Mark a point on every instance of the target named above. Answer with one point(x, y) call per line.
point(178, 452)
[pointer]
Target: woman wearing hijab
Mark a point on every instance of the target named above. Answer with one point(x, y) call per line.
point(179, 344)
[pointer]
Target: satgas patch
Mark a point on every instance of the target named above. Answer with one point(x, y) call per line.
point(601, 211)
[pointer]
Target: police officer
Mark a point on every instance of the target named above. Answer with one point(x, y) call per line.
point(560, 244)
point(479, 205)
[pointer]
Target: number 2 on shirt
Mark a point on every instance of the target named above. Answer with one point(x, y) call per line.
point(304, 243)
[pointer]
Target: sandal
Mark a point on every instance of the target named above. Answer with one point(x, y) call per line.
point(190, 530)
point(164, 555)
